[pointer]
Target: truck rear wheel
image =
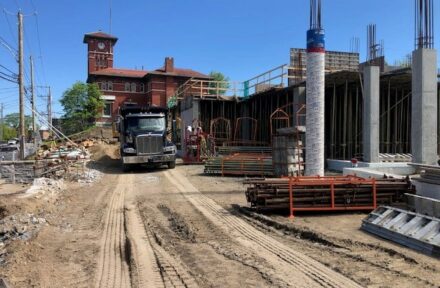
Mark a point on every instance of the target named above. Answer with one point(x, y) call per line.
point(172, 164)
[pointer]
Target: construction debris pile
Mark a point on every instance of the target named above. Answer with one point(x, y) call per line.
point(325, 193)
point(45, 186)
point(18, 227)
point(52, 161)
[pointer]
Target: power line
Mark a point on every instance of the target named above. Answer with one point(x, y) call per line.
point(39, 46)
point(8, 47)
point(13, 73)
point(9, 24)
point(8, 88)
point(7, 79)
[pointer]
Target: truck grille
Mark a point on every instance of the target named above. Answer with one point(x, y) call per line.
point(149, 144)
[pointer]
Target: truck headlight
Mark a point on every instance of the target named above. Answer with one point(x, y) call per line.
point(169, 149)
point(130, 150)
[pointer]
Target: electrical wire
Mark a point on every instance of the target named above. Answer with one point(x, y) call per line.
point(9, 24)
point(13, 73)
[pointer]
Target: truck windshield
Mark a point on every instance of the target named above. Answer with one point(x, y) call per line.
point(148, 124)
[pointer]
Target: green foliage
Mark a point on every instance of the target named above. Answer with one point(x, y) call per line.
point(221, 84)
point(13, 120)
point(82, 105)
point(8, 132)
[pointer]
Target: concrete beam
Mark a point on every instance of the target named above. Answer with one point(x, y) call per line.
point(424, 106)
point(371, 110)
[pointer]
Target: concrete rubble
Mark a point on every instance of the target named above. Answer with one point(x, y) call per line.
point(45, 186)
point(18, 227)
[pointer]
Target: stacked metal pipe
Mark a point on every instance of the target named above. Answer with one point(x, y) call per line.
point(348, 195)
point(240, 164)
point(228, 150)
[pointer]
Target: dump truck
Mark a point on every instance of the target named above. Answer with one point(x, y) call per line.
point(143, 137)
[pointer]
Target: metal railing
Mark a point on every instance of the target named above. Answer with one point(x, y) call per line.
point(274, 78)
point(211, 89)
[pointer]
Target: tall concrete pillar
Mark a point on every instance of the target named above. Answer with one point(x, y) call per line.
point(371, 117)
point(424, 106)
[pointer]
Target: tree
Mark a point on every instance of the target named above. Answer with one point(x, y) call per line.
point(221, 84)
point(8, 132)
point(82, 105)
point(13, 120)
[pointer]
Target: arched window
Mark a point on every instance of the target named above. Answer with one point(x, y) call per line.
point(133, 87)
point(110, 85)
point(142, 88)
point(104, 86)
point(127, 87)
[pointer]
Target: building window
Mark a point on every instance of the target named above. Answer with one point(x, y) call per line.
point(142, 88)
point(110, 85)
point(107, 111)
point(133, 87)
point(104, 86)
point(127, 87)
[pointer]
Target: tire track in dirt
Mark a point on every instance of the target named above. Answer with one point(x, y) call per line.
point(147, 272)
point(296, 268)
point(112, 267)
point(172, 272)
point(155, 267)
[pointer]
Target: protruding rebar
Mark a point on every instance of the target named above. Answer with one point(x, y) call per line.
point(315, 14)
point(424, 24)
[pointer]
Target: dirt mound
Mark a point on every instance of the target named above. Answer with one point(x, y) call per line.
point(102, 152)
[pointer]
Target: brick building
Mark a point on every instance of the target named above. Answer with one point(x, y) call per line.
point(129, 85)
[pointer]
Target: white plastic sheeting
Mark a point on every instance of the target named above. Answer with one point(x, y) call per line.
point(315, 114)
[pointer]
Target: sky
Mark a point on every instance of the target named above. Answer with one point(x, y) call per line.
point(240, 38)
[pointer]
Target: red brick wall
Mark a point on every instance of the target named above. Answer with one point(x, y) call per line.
point(93, 52)
point(121, 96)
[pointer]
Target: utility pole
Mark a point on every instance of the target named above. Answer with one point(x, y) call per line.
point(49, 111)
point(34, 125)
point(2, 133)
point(21, 85)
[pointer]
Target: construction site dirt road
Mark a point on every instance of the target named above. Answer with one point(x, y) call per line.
point(178, 228)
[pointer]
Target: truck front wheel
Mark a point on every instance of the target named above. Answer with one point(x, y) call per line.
point(126, 167)
point(172, 164)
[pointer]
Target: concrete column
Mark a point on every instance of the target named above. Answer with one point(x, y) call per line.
point(371, 117)
point(424, 107)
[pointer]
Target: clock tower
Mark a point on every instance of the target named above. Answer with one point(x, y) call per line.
point(99, 50)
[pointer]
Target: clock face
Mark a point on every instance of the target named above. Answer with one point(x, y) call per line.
point(101, 45)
